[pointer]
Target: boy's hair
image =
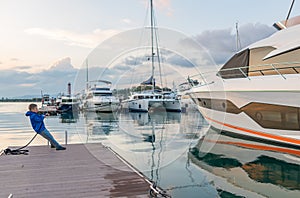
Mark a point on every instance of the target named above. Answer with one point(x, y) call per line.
point(32, 106)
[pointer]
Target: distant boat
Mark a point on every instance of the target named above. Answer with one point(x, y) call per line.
point(48, 105)
point(256, 93)
point(99, 97)
point(67, 103)
point(152, 99)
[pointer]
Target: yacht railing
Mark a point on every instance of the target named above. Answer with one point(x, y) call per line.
point(281, 69)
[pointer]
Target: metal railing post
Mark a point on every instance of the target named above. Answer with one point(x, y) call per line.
point(244, 74)
point(66, 137)
point(278, 72)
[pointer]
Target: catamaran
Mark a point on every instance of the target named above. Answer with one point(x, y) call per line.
point(152, 99)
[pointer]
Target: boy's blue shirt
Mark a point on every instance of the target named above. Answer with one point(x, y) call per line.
point(37, 121)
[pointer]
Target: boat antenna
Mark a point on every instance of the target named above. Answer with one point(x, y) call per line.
point(238, 41)
point(290, 10)
point(152, 44)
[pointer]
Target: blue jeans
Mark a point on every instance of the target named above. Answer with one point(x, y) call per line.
point(47, 135)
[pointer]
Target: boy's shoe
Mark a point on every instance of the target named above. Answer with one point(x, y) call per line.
point(52, 146)
point(61, 148)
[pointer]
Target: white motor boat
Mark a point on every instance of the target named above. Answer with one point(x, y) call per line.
point(256, 94)
point(99, 98)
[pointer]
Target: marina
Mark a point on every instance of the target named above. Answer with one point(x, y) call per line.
point(166, 147)
point(150, 111)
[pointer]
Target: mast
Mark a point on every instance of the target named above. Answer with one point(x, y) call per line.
point(152, 44)
point(87, 74)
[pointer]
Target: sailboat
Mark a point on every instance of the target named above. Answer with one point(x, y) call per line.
point(152, 99)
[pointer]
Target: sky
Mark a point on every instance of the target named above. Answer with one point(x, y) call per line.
point(43, 44)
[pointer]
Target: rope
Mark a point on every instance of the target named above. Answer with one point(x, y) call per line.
point(18, 151)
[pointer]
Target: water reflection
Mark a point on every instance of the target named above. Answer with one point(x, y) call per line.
point(69, 117)
point(252, 166)
point(152, 142)
point(100, 123)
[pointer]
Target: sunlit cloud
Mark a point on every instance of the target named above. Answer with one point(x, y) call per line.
point(127, 21)
point(14, 59)
point(163, 6)
point(86, 40)
point(27, 84)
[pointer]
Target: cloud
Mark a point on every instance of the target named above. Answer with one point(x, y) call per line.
point(86, 40)
point(14, 59)
point(52, 80)
point(27, 84)
point(1, 63)
point(164, 6)
point(127, 21)
point(23, 67)
point(179, 61)
point(63, 64)
point(221, 44)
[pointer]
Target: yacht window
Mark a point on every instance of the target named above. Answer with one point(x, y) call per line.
point(102, 94)
point(141, 97)
point(67, 100)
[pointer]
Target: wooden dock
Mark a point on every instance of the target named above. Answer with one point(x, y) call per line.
point(74, 173)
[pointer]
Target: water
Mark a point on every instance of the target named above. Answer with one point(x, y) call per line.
point(176, 150)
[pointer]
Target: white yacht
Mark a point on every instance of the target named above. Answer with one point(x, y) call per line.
point(99, 98)
point(151, 100)
point(256, 94)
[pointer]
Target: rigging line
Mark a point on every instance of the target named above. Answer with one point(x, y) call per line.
point(152, 47)
point(290, 10)
point(158, 52)
point(139, 44)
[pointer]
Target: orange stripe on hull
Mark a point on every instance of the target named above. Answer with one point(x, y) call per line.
point(258, 133)
point(259, 147)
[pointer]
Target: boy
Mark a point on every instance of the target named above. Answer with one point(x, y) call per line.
point(37, 123)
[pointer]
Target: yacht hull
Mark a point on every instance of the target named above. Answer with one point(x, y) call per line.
point(143, 105)
point(172, 105)
point(269, 115)
point(101, 106)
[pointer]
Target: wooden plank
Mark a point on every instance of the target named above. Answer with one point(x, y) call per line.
point(89, 170)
